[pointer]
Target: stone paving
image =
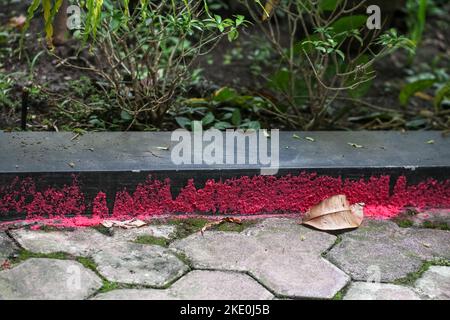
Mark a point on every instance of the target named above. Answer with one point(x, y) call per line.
point(275, 258)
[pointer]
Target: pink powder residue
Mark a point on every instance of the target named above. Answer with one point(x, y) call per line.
point(244, 196)
point(100, 207)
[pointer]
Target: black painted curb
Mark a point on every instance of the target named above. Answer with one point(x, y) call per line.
point(111, 161)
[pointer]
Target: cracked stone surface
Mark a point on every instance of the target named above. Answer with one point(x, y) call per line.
point(48, 279)
point(83, 241)
point(435, 283)
point(383, 250)
point(281, 254)
point(80, 242)
point(199, 285)
point(379, 291)
point(7, 247)
point(135, 263)
point(277, 256)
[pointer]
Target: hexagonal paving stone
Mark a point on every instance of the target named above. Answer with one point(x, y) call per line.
point(80, 242)
point(435, 283)
point(199, 285)
point(7, 247)
point(379, 291)
point(283, 255)
point(48, 279)
point(381, 250)
point(134, 263)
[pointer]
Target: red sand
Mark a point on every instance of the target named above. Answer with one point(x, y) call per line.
point(245, 195)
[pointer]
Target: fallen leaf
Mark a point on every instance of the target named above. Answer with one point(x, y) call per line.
point(269, 8)
point(355, 145)
point(335, 213)
point(218, 222)
point(127, 224)
point(17, 22)
point(423, 96)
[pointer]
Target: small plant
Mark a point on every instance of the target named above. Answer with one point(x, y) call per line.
point(417, 18)
point(328, 54)
point(437, 79)
point(6, 86)
point(224, 109)
point(144, 56)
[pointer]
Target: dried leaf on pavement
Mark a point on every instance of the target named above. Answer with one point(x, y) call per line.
point(128, 224)
point(334, 213)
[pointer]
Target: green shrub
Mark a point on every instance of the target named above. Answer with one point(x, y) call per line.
point(325, 52)
point(144, 58)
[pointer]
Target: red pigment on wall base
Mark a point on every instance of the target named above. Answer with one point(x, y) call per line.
point(245, 195)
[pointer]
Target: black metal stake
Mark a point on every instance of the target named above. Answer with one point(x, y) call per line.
point(23, 122)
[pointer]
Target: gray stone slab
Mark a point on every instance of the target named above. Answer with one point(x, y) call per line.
point(130, 151)
point(80, 242)
point(379, 291)
point(158, 231)
point(7, 247)
point(281, 254)
point(134, 263)
point(380, 250)
point(435, 283)
point(199, 285)
point(48, 279)
point(83, 241)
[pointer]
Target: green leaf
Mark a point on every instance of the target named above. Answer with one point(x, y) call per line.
point(349, 23)
point(417, 123)
point(183, 122)
point(208, 119)
point(222, 125)
point(412, 88)
point(255, 125)
point(125, 116)
point(233, 34)
point(236, 117)
point(280, 81)
point(329, 5)
point(225, 94)
point(441, 94)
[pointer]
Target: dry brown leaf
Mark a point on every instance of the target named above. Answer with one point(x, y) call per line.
point(218, 222)
point(423, 96)
point(269, 8)
point(17, 22)
point(334, 213)
point(128, 224)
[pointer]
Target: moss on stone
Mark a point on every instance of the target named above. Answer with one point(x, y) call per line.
point(151, 240)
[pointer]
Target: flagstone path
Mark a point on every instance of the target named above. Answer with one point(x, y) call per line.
point(275, 258)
